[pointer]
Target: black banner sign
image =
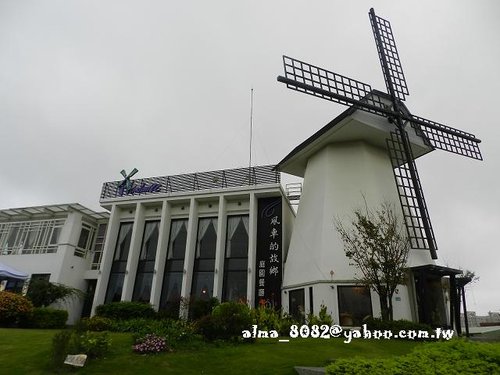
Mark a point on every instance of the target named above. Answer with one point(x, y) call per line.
point(269, 260)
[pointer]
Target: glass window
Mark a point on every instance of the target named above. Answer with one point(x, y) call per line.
point(204, 263)
point(145, 267)
point(117, 274)
point(54, 239)
point(84, 237)
point(236, 260)
point(355, 304)
point(174, 267)
point(28, 237)
point(98, 246)
point(123, 242)
point(296, 305)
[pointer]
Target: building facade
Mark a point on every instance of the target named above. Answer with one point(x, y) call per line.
point(219, 234)
point(59, 243)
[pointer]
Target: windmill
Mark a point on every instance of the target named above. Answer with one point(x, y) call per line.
point(313, 80)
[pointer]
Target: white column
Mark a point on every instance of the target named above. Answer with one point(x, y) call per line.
point(220, 249)
point(161, 255)
point(68, 240)
point(252, 248)
point(133, 253)
point(190, 251)
point(107, 257)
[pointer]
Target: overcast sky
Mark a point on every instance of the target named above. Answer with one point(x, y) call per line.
point(88, 88)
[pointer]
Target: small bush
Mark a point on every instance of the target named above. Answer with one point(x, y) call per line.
point(322, 318)
point(60, 347)
point(176, 331)
point(171, 309)
point(286, 322)
point(43, 293)
point(95, 324)
point(126, 310)
point(209, 328)
point(94, 344)
point(227, 322)
point(46, 317)
point(150, 344)
point(14, 308)
point(452, 357)
point(199, 308)
point(267, 318)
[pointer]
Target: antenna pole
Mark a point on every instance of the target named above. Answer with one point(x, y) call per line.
point(251, 129)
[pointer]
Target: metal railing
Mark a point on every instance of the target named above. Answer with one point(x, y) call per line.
point(225, 178)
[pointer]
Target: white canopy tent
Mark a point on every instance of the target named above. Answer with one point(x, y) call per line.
point(11, 273)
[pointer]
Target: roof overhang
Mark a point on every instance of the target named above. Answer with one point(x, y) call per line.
point(436, 270)
point(27, 213)
point(352, 125)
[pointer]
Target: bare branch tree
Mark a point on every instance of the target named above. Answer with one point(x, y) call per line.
point(377, 244)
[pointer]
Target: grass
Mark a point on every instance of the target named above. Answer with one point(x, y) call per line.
point(24, 351)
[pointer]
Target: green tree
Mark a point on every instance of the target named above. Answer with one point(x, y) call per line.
point(43, 293)
point(377, 244)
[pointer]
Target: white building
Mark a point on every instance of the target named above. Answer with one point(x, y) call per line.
point(53, 242)
point(216, 234)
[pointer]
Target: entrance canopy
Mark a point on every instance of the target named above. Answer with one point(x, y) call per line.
point(12, 273)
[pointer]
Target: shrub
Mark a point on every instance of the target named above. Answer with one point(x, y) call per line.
point(46, 317)
point(227, 322)
point(94, 344)
point(266, 318)
point(60, 347)
point(176, 331)
point(286, 322)
point(171, 309)
point(150, 344)
point(209, 328)
point(14, 308)
point(126, 310)
point(199, 308)
point(452, 357)
point(322, 318)
point(95, 324)
point(43, 292)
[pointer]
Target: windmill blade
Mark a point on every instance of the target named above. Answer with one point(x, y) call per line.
point(446, 138)
point(389, 57)
point(312, 80)
point(411, 196)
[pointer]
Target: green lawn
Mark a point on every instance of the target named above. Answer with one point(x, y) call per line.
point(25, 351)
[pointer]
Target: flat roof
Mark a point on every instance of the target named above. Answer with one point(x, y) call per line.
point(52, 209)
point(191, 182)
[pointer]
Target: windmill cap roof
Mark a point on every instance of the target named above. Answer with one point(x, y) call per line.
point(352, 125)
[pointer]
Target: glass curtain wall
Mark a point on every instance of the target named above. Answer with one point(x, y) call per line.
point(236, 259)
point(174, 267)
point(146, 265)
point(204, 263)
point(117, 274)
